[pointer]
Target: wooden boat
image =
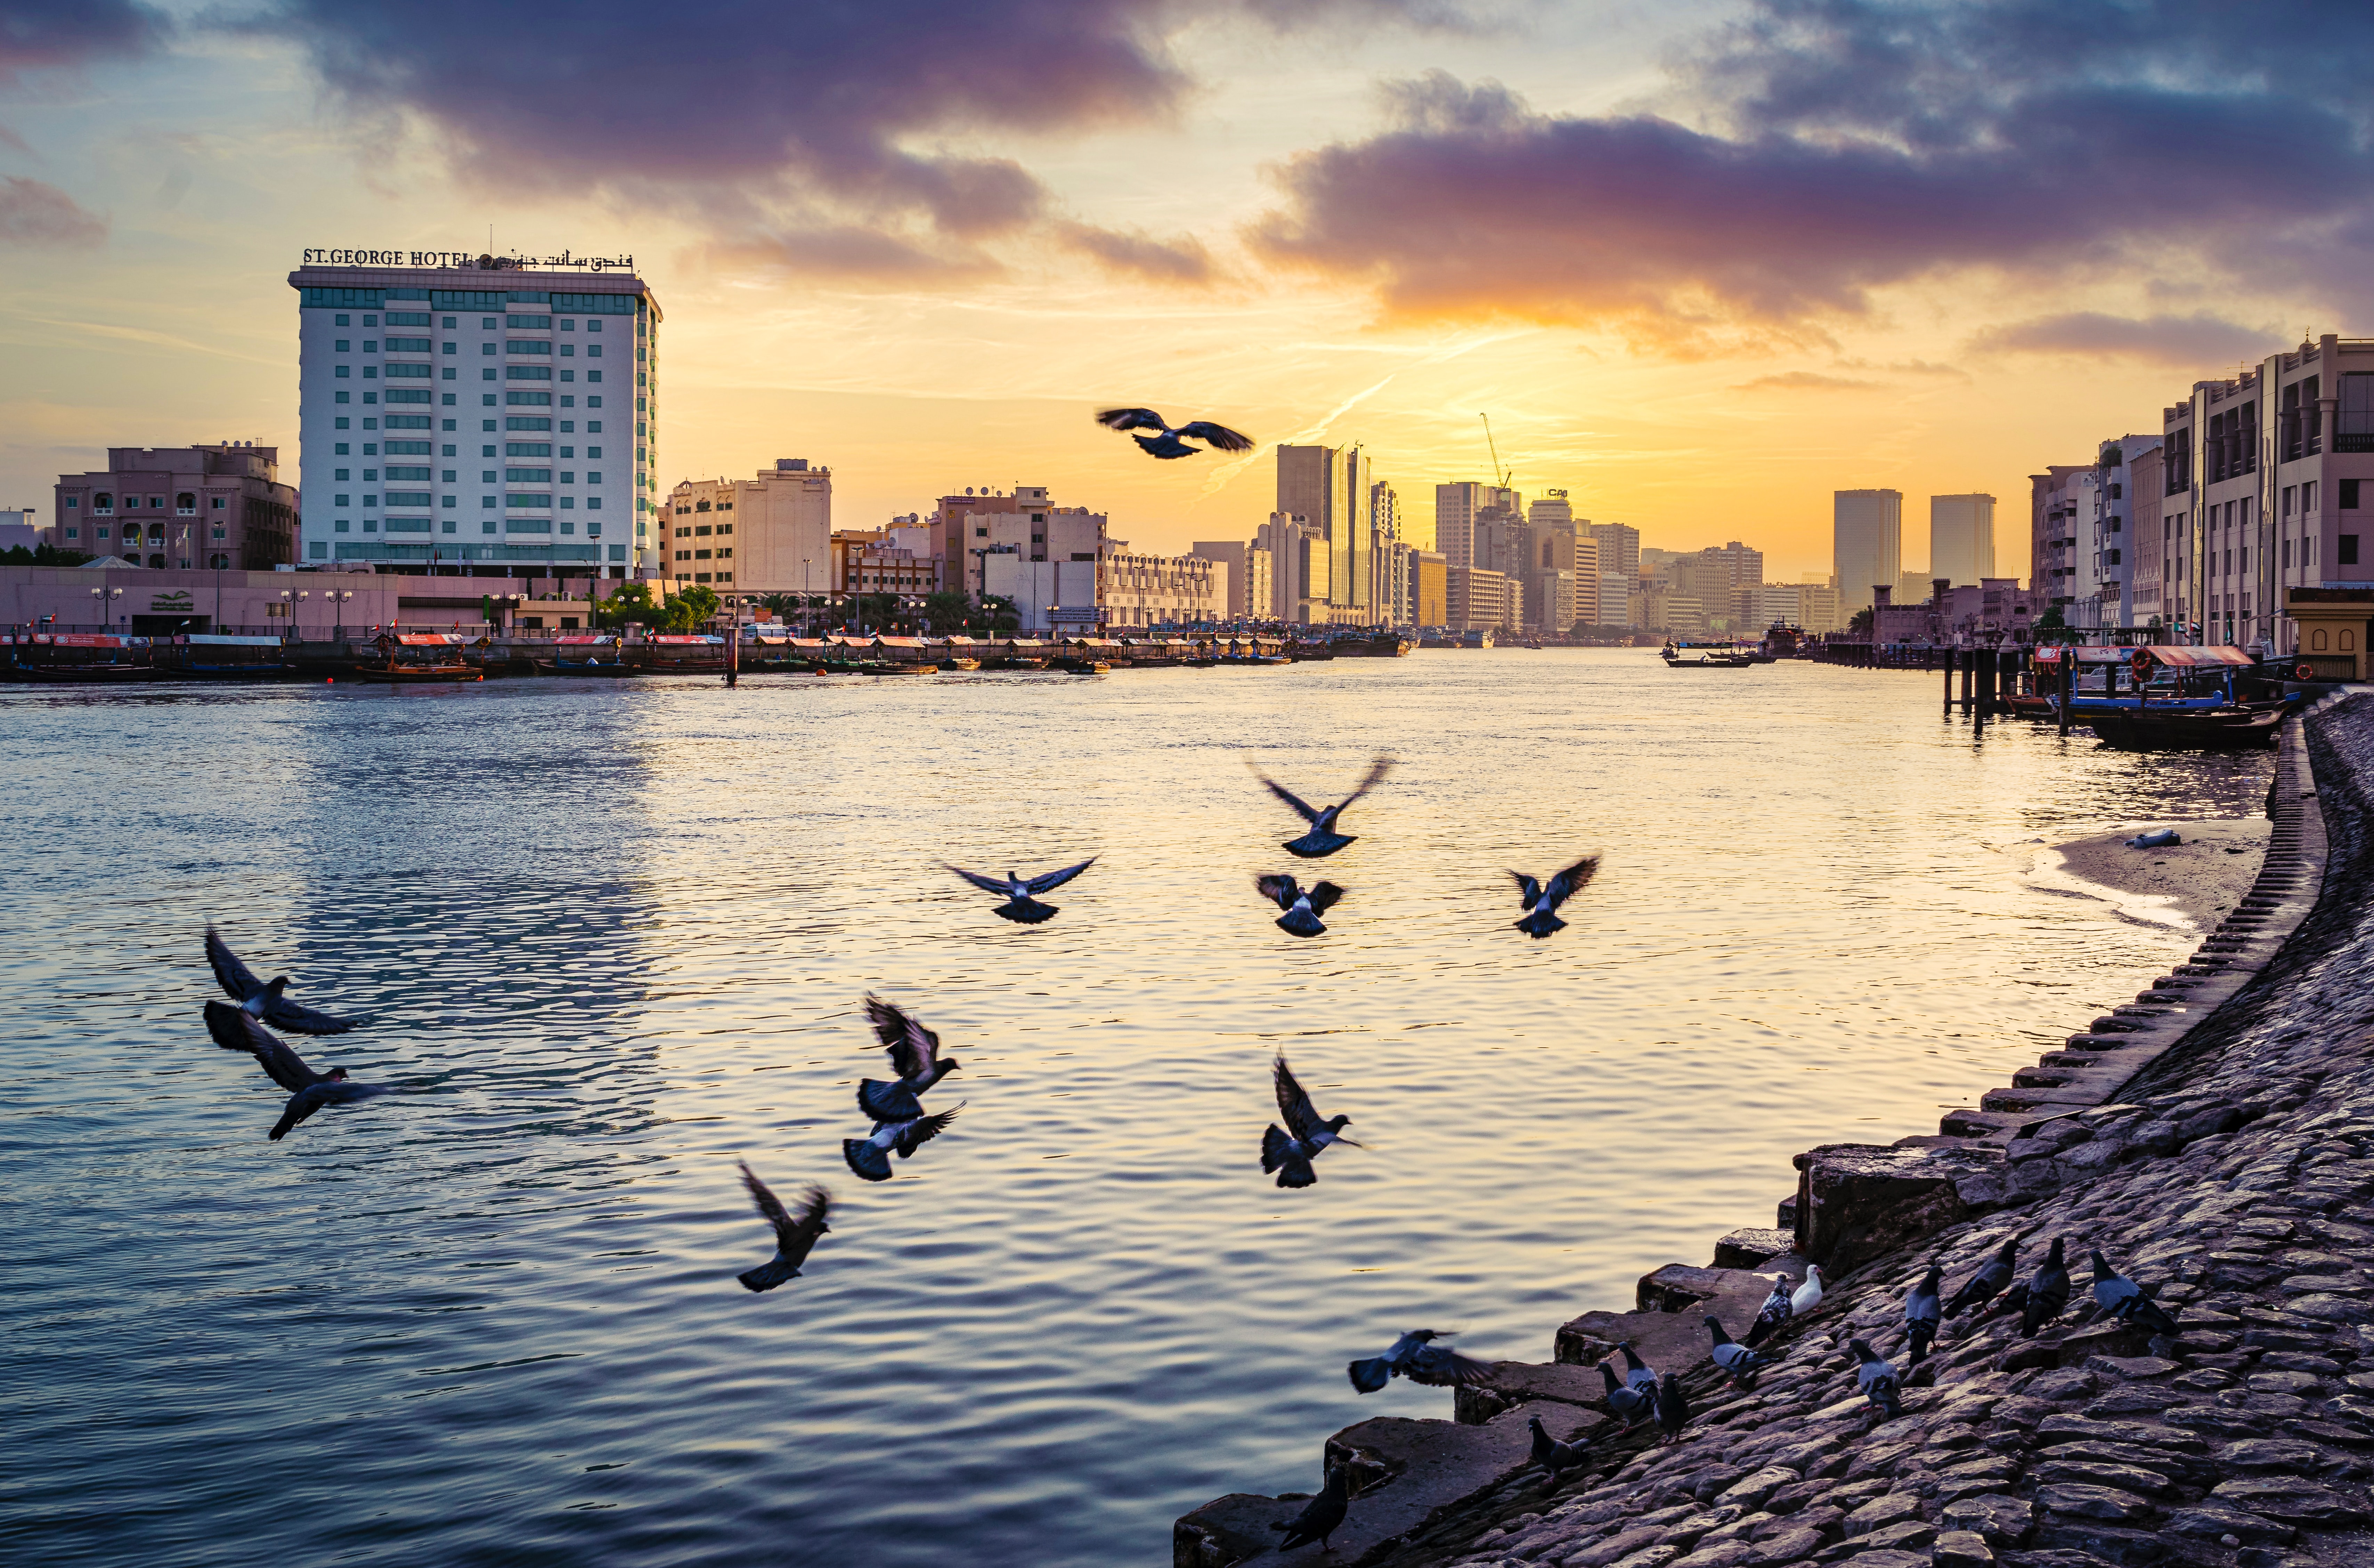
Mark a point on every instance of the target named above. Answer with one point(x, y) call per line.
point(82, 675)
point(2190, 729)
point(960, 663)
point(1014, 662)
point(1081, 666)
point(1384, 645)
point(418, 658)
point(894, 667)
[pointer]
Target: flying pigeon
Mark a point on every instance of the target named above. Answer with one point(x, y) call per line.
point(1809, 1295)
point(914, 1057)
point(870, 1156)
point(1635, 1405)
point(1673, 1409)
point(1921, 1311)
point(1987, 1281)
point(1553, 1456)
point(264, 1000)
point(1303, 907)
point(1416, 1357)
point(793, 1235)
point(1167, 443)
point(1321, 1517)
point(1290, 1153)
point(1877, 1378)
point(1542, 899)
point(1773, 1314)
point(2124, 1299)
point(234, 1030)
point(2048, 1292)
point(1016, 890)
point(1737, 1359)
point(1323, 839)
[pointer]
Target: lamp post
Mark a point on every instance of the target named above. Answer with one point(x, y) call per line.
point(105, 597)
point(806, 606)
point(337, 598)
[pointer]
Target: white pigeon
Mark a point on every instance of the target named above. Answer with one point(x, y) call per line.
point(1809, 1295)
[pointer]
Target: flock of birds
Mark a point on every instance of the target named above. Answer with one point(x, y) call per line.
point(900, 1126)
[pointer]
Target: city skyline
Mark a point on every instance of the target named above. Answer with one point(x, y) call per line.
point(956, 283)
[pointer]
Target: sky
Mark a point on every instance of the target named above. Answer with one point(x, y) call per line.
point(1701, 264)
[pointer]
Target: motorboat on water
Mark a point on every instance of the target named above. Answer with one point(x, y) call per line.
point(1704, 655)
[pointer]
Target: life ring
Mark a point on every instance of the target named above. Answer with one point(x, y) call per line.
point(2303, 671)
point(2141, 659)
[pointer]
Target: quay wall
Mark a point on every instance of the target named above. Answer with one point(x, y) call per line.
point(2216, 1140)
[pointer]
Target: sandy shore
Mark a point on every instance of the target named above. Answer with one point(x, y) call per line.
point(2194, 882)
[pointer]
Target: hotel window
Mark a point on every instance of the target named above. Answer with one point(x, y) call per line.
point(370, 344)
point(2348, 494)
point(103, 503)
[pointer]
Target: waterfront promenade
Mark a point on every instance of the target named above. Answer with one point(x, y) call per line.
point(2229, 1164)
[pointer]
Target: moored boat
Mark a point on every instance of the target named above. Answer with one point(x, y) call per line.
point(418, 658)
point(2190, 729)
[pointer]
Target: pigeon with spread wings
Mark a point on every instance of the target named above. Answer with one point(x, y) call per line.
point(266, 999)
point(308, 1091)
point(914, 1057)
point(1416, 1357)
point(1303, 906)
point(1016, 891)
point(1542, 899)
point(870, 1156)
point(1289, 1153)
point(1167, 443)
point(795, 1234)
point(1323, 839)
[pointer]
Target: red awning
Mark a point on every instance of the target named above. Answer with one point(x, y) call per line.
point(84, 639)
point(2171, 655)
point(425, 639)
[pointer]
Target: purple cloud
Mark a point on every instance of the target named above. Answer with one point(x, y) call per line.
point(1182, 260)
point(47, 34)
point(1852, 145)
point(32, 213)
point(2199, 339)
point(827, 114)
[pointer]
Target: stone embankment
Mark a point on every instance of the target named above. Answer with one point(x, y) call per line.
point(2216, 1139)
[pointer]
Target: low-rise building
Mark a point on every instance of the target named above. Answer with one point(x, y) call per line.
point(1162, 590)
point(220, 506)
point(1477, 599)
point(1613, 609)
point(766, 535)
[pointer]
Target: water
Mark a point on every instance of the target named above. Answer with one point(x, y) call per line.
point(616, 935)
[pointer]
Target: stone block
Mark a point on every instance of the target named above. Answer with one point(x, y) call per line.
point(1961, 1548)
point(1752, 1491)
point(1909, 1536)
point(2100, 1541)
point(1862, 1201)
point(2212, 1520)
point(1666, 1341)
point(1749, 1246)
point(1678, 1287)
point(2058, 1472)
point(1615, 1548)
point(1881, 1512)
point(2003, 1521)
point(2294, 1501)
point(1888, 1557)
point(1791, 1546)
point(1523, 1383)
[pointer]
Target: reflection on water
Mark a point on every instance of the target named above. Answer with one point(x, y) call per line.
point(616, 936)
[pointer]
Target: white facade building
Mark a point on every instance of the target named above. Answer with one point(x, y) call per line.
point(487, 418)
point(2111, 553)
point(1614, 602)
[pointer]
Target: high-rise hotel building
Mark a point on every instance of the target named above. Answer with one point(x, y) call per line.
point(480, 416)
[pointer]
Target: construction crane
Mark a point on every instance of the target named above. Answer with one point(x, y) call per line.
point(1493, 447)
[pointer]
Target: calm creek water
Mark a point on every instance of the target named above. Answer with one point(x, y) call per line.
point(617, 935)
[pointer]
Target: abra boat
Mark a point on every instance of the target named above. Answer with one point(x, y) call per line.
point(80, 658)
point(418, 658)
point(2191, 729)
point(2160, 678)
point(1704, 655)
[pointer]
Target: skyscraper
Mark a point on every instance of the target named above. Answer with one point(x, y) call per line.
point(546, 468)
point(1329, 487)
point(1962, 538)
point(1867, 533)
point(1455, 508)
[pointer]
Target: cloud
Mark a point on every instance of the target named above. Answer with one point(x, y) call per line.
point(1844, 147)
point(51, 34)
point(1182, 260)
point(2198, 339)
point(1803, 380)
point(855, 254)
point(32, 213)
point(834, 115)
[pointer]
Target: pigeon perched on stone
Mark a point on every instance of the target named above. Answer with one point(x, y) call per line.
point(1168, 443)
point(1542, 899)
point(1877, 1377)
point(2124, 1299)
point(1289, 1153)
point(1634, 1405)
point(266, 1001)
point(1416, 1357)
point(1321, 1517)
point(2048, 1292)
point(870, 1156)
point(1809, 1295)
point(1016, 891)
point(1323, 839)
point(795, 1234)
point(1740, 1364)
point(914, 1057)
point(1772, 1314)
point(1551, 1455)
point(1303, 906)
point(1673, 1409)
point(2011, 1303)
point(235, 1029)
point(1921, 1311)
point(1988, 1281)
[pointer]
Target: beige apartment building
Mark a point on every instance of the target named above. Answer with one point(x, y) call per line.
point(1867, 543)
point(1429, 588)
point(221, 506)
point(768, 535)
point(1475, 599)
point(1162, 590)
point(1962, 538)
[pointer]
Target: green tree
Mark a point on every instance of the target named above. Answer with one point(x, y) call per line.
point(42, 555)
point(1861, 624)
point(690, 611)
point(995, 615)
point(630, 606)
point(947, 613)
point(2052, 626)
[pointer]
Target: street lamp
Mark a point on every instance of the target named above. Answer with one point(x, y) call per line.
point(104, 596)
point(337, 598)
